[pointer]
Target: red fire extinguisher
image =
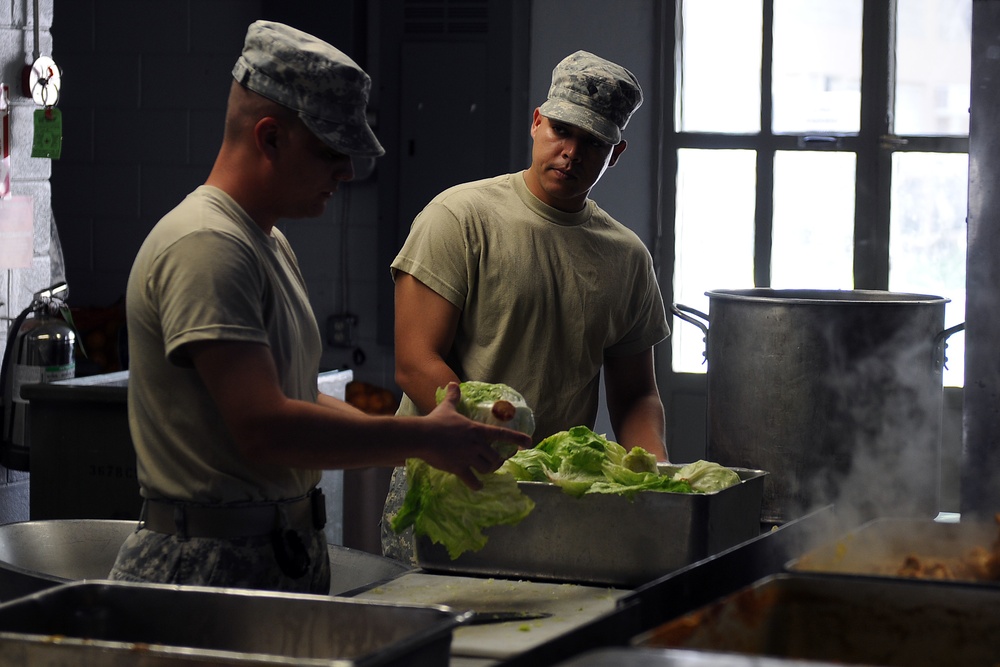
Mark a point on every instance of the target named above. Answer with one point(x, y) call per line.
point(39, 350)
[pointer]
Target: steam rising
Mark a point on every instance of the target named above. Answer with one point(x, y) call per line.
point(881, 453)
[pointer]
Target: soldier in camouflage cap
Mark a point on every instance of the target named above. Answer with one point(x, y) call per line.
point(230, 432)
point(593, 94)
point(301, 72)
point(522, 279)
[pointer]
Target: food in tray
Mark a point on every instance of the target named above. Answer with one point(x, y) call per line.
point(580, 461)
point(978, 564)
point(438, 505)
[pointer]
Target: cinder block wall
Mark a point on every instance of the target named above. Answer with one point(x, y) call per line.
point(29, 178)
point(144, 98)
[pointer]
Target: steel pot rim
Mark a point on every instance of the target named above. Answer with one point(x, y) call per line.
point(825, 296)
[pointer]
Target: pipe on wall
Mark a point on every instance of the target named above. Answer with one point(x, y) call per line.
point(980, 490)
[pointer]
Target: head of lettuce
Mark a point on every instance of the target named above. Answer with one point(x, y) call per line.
point(443, 508)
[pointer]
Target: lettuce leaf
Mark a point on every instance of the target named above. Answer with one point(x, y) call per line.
point(660, 483)
point(572, 480)
point(528, 465)
point(439, 505)
point(580, 461)
point(640, 460)
point(581, 449)
point(707, 477)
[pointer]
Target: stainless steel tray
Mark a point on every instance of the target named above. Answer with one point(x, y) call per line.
point(35, 555)
point(880, 548)
point(119, 624)
point(610, 539)
point(844, 620)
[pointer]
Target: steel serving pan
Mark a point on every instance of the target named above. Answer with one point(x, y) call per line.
point(865, 621)
point(119, 624)
point(610, 539)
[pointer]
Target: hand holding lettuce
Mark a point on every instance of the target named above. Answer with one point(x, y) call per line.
point(579, 461)
point(439, 505)
point(495, 404)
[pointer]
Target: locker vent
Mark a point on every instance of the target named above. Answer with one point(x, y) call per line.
point(446, 17)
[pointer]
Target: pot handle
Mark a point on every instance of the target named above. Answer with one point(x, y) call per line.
point(682, 311)
point(940, 345)
point(685, 313)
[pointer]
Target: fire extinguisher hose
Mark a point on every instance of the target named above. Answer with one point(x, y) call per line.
point(5, 368)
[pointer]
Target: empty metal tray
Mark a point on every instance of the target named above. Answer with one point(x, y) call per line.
point(118, 624)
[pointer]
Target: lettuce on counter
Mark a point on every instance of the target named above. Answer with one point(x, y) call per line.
point(439, 505)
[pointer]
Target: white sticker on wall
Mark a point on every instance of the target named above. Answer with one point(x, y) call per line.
point(16, 232)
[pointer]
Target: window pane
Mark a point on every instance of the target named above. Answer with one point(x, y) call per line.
point(927, 237)
point(719, 78)
point(817, 66)
point(813, 230)
point(714, 238)
point(933, 54)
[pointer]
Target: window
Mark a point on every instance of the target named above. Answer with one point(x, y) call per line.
point(809, 158)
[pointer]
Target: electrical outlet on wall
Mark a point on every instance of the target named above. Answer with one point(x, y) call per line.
point(340, 329)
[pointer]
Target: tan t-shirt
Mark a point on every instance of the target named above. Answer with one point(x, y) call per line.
point(207, 272)
point(544, 294)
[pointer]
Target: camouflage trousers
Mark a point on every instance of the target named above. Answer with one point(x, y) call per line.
point(245, 562)
point(398, 546)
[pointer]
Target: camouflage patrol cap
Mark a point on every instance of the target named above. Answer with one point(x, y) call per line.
point(593, 94)
point(306, 74)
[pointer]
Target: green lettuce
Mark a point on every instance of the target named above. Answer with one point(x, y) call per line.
point(707, 477)
point(640, 460)
point(581, 449)
point(580, 461)
point(572, 460)
point(497, 404)
point(660, 483)
point(528, 465)
point(440, 506)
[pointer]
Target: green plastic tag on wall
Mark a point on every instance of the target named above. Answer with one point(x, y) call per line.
point(48, 133)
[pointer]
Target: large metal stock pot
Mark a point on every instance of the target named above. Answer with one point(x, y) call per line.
point(836, 393)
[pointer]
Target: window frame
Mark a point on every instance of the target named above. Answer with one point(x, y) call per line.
point(874, 146)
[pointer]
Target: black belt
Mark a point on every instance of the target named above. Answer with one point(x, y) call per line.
point(232, 521)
